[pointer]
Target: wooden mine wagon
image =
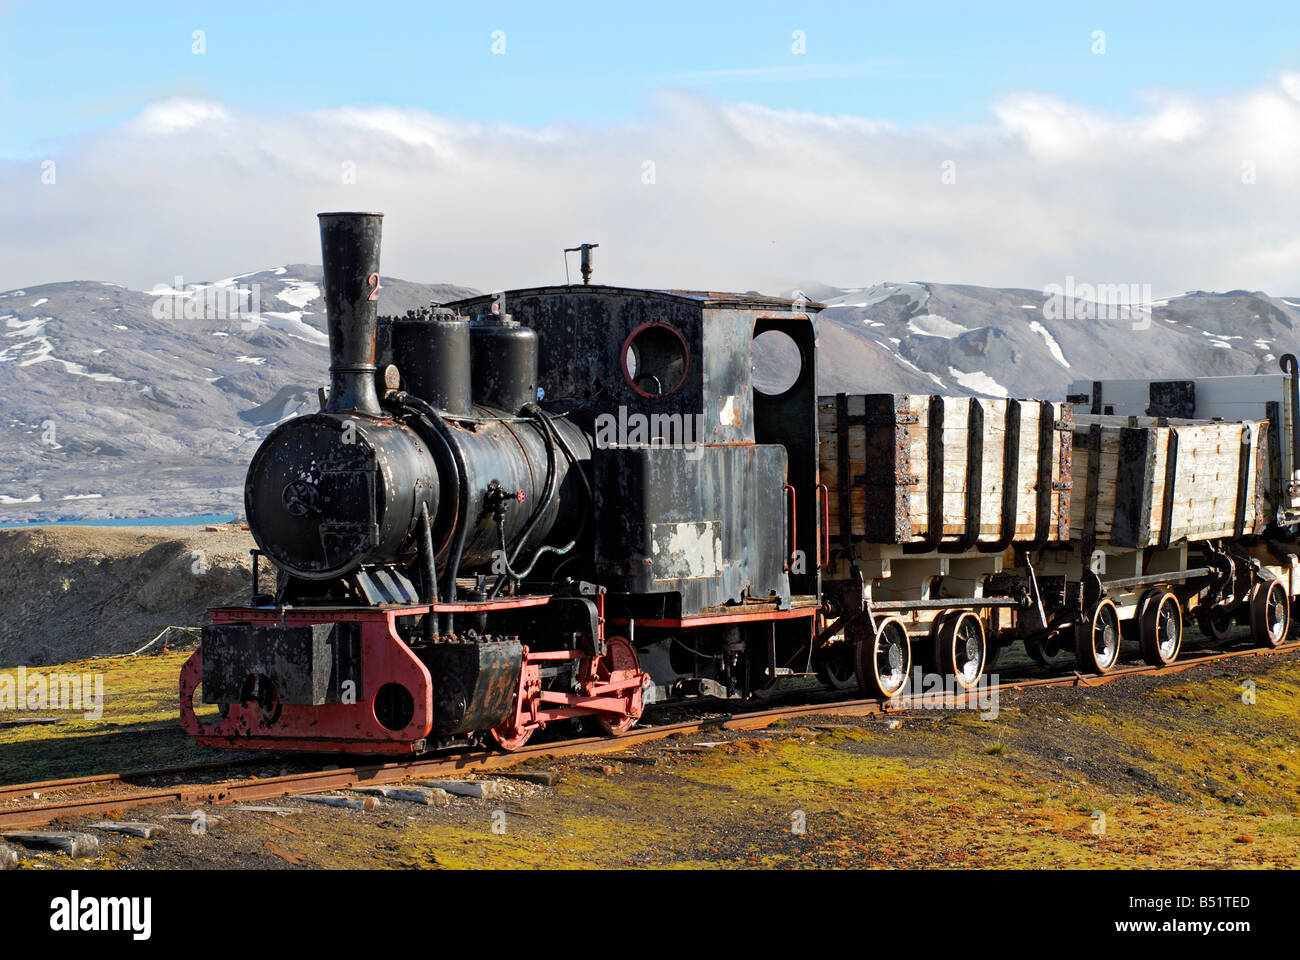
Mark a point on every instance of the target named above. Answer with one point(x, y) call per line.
point(961, 525)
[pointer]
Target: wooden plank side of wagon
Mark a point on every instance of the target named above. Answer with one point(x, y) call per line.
point(890, 478)
point(1176, 480)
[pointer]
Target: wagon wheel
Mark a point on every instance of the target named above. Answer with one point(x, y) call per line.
point(1049, 651)
point(926, 654)
point(1214, 622)
point(619, 663)
point(1160, 628)
point(834, 666)
point(882, 658)
point(1096, 642)
point(960, 649)
point(992, 651)
point(1270, 613)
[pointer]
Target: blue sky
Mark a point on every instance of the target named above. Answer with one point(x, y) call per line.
point(960, 142)
point(68, 69)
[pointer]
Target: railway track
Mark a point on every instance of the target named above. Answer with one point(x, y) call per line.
point(20, 790)
point(343, 778)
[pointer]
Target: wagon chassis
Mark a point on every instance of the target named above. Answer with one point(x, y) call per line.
point(1232, 586)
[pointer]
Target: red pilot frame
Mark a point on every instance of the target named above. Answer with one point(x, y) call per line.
point(393, 711)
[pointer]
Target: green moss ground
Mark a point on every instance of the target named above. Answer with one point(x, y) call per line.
point(1185, 772)
point(139, 729)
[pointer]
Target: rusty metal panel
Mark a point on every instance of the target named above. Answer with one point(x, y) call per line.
point(660, 508)
point(790, 419)
point(686, 551)
point(1171, 398)
point(309, 664)
point(583, 335)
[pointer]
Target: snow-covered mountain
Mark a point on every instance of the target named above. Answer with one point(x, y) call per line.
point(117, 402)
point(947, 338)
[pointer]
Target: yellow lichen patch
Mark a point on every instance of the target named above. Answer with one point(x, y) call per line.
point(1195, 770)
point(126, 717)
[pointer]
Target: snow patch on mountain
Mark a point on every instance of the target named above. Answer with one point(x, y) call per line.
point(979, 383)
point(299, 293)
point(25, 328)
point(933, 325)
point(289, 322)
point(1052, 345)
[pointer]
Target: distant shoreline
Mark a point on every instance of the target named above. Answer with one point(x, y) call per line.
point(191, 520)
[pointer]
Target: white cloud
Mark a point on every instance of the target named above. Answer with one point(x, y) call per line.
point(744, 196)
point(1291, 84)
point(177, 113)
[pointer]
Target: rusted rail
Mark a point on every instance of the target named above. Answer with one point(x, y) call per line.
point(18, 790)
point(343, 778)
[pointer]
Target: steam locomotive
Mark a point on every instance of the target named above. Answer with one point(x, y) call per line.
point(563, 503)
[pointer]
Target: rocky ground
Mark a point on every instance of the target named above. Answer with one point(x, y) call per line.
point(75, 592)
point(1193, 770)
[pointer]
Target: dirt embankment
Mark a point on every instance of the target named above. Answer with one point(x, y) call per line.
point(74, 592)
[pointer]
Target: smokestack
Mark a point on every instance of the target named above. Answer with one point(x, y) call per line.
point(349, 245)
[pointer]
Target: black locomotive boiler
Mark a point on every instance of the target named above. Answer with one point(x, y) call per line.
point(563, 503)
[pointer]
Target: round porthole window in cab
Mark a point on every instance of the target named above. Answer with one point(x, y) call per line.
point(778, 363)
point(655, 359)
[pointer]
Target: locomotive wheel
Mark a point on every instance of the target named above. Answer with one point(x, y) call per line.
point(883, 659)
point(1215, 623)
point(834, 666)
point(960, 649)
point(619, 663)
point(1270, 613)
point(1160, 628)
point(508, 738)
point(1097, 640)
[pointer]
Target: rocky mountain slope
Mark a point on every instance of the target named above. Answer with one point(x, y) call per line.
point(92, 591)
point(946, 338)
point(121, 403)
point(115, 403)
